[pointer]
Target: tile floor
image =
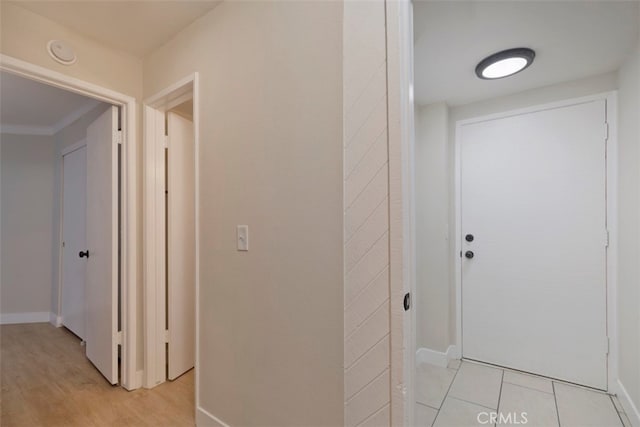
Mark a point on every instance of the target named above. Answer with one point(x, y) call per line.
point(469, 394)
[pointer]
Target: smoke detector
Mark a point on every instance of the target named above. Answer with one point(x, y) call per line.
point(61, 51)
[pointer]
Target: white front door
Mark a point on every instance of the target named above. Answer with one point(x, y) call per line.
point(533, 198)
point(181, 264)
point(102, 244)
point(73, 240)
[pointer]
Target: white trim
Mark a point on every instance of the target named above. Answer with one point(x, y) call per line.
point(611, 206)
point(400, 122)
point(74, 115)
point(50, 130)
point(154, 220)
point(204, 418)
point(632, 411)
point(55, 320)
point(129, 197)
point(434, 357)
point(33, 317)
point(73, 147)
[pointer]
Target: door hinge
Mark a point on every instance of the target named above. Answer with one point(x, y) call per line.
point(166, 336)
point(606, 238)
point(606, 131)
point(608, 345)
point(407, 301)
point(118, 137)
point(119, 337)
point(166, 141)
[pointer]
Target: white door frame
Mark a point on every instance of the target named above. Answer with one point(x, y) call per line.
point(611, 215)
point(129, 375)
point(154, 298)
point(401, 137)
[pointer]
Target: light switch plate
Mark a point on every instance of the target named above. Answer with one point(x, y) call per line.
point(243, 237)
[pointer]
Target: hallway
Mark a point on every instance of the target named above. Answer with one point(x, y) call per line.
point(47, 381)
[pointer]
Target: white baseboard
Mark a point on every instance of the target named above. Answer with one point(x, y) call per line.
point(55, 320)
point(35, 317)
point(434, 357)
point(630, 408)
point(204, 418)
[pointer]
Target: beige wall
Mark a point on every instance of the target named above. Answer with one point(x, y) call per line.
point(433, 252)
point(27, 173)
point(629, 229)
point(271, 319)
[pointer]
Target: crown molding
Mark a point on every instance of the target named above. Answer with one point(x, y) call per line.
point(26, 130)
point(50, 130)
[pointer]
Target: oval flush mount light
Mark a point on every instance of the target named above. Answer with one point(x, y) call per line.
point(61, 51)
point(505, 63)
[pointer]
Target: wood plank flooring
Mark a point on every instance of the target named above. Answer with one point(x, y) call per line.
point(47, 381)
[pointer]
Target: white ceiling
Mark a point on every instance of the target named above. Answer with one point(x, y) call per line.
point(27, 106)
point(137, 27)
point(572, 40)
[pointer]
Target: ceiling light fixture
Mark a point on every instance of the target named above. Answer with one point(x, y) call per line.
point(61, 51)
point(505, 63)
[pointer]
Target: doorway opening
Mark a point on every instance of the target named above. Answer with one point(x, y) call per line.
point(530, 300)
point(170, 234)
point(93, 216)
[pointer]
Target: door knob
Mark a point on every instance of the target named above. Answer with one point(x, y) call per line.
point(469, 254)
point(469, 237)
point(84, 254)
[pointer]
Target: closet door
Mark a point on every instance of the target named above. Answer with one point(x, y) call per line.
point(74, 193)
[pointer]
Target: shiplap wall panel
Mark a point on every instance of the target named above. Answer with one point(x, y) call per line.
point(376, 293)
point(380, 418)
point(374, 194)
point(369, 400)
point(374, 128)
point(367, 269)
point(366, 216)
point(376, 360)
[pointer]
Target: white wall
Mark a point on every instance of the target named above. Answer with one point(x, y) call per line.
point(27, 177)
point(629, 231)
point(432, 184)
point(271, 319)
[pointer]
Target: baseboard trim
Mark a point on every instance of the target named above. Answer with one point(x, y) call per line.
point(55, 320)
point(204, 418)
point(34, 317)
point(628, 405)
point(434, 357)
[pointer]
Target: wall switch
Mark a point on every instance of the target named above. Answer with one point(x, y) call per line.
point(243, 237)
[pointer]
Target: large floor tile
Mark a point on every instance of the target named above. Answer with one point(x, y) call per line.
point(578, 407)
point(432, 384)
point(425, 416)
point(530, 381)
point(477, 384)
point(458, 413)
point(522, 405)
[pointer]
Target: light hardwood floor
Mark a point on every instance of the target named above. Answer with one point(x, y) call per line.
point(47, 381)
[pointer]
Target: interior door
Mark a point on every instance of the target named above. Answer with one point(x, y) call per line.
point(180, 245)
point(533, 206)
point(74, 240)
point(102, 244)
